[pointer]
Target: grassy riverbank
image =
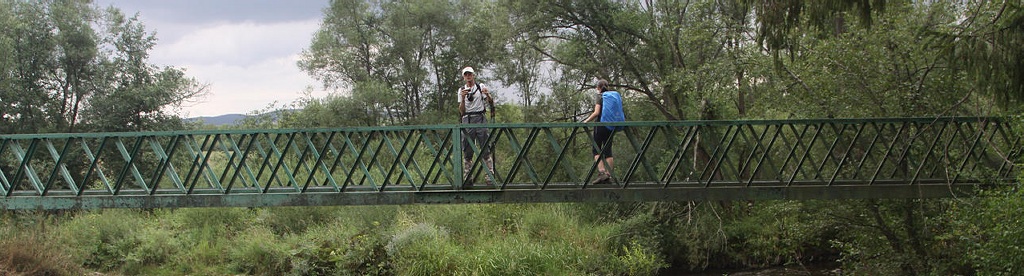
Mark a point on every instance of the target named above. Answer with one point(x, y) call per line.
point(513, 239)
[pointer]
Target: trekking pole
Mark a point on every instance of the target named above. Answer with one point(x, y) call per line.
point(493, 145)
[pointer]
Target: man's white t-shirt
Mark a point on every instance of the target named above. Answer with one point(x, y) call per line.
point(475, 101)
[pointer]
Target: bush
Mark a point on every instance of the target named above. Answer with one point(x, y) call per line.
point(425, 249)
point(291, 220)
point(203, 250)
point(156, 247)
point(778, 233)
point(640, 230)
point(463, 222)
point(637, 259)
point(257, 251)
point(206, 236)
point(637, 244)
point(520, 256)
point(544, 224)
point(222, 220)
point(22, 254)
point(103, 239)
point(992, 231)
point(340, 249)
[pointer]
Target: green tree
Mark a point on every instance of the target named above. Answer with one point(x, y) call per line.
point(70, 66)
point(367, 106)
point(979, 38)
point(990, 231)
point(985, 44)
point(75, 79)
point(31, 45)
point(669, 54)
point(136, 94)
point(870, 72)
point(413, 47)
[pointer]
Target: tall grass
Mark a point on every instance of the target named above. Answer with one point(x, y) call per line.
point(30, 252)
point(474, 239)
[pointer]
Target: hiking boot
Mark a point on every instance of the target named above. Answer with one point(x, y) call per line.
point(489, 162)
point(468, 183)
point(602, 178)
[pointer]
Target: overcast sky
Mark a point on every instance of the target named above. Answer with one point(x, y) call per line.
point(246, 50)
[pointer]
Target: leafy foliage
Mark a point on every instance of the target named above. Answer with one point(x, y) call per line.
point(990, 229)
point(70, 66)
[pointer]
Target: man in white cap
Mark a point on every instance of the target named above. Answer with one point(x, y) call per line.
point(473, 101)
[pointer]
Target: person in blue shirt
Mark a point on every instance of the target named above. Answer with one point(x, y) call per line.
point(607, 108)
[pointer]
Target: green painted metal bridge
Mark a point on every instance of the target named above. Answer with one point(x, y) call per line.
point(654, 161)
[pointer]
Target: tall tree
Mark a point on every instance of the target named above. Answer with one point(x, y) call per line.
point(70, 66)
point(32, 47)
point(78, 43)
point(415, 47)
point(665, 52)
point(135, 95)
point(984, 40)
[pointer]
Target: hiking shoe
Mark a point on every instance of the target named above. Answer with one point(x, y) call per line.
point(490, 178)
point(602, 178)
point(468, 183)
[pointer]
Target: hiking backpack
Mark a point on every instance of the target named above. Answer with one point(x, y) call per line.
point(611, 109)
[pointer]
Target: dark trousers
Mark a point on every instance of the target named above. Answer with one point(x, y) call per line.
point(477, 135)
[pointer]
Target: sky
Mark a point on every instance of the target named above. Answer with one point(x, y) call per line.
point(245, 50)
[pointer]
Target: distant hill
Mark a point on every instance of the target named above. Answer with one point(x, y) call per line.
point(222, 120)
point(234, 119)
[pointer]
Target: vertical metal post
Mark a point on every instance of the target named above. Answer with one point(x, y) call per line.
point(457, 162)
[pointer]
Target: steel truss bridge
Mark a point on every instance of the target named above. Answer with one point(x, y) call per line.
point(654, 161)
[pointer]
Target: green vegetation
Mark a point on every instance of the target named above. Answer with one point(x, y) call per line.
point(385, 240)
point(69, 66)
point(864, 237)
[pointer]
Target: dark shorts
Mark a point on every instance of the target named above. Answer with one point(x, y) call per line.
point(603, 138)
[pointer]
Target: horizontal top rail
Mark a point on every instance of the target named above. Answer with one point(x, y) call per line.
point(681, 123)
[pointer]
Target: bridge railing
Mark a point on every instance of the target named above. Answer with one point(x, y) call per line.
point(685, 160)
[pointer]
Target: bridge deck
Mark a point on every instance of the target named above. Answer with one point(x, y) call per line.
point(654, 161)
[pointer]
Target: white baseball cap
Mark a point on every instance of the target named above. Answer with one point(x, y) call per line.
point(468, 70)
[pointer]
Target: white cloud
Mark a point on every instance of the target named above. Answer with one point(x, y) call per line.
point(248, 65)
point(243, 42)
point(242, 89)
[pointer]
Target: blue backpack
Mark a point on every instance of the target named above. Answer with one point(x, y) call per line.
point(611, 109)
